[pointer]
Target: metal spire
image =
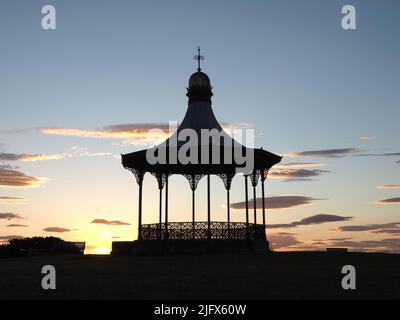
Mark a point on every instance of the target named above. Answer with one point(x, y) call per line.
point(199, 58)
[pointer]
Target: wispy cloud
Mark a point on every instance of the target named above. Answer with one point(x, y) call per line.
point(298, 165)
point(71, 153)
point(56, 230)
point(325, 153)
point(4, 239)
point(339, 153)
point(312, 220)
point(385, 245)
point(14, 225)
point(389, 201)
point(276, 203)
point(131, 133)
point(15, 179)
point(283, 240)
point(135, 134)
point(27, 157)
point(367, 138)
point(385, 154)
point(296, 174)
point(110, 223)
point(391, 232)
point(11, 200)
point(9, 216)
point(368, 227)
point(389, 186)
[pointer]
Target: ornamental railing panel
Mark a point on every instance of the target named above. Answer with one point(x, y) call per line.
point(199, 230)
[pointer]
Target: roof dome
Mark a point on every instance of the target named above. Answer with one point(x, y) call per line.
point(199, 79)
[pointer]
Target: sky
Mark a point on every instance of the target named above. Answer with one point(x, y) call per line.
point(73, 99)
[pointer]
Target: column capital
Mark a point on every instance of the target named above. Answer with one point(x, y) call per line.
point(139, 175)
point(254, 177)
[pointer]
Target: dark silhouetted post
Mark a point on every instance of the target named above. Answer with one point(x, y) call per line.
point(247, 205)
point(208, 209)
point(193, 213)
point(166, 207)
point(263, 177)
point(228, 212)
point(255, 204)
point(160, 216)
point(140, 211)
point(140, 182)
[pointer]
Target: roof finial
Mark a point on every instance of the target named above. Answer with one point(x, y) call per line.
point(199, 58)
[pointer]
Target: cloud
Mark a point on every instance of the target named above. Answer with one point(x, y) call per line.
point(367, 138)
point(4, 239)
point(398, 161)
point(389, 201)
point(312, 220)
point(131, 133)
point(389, 186)
point(282, 240)
point(276, 203)
point(14, 225)
point(318, 243)
point(368, 227)
point(9, 167)
point(56, 229)
point(388, 154)
point(9, 216)
point(27, 157)
point(296, 174)
point(11, 200)
point(135, 134)
point(326, 153)
point(16, 179)
point(392, 232)
point(110, 223)
point(298, 165)
point(385, 245)
point(340, 239)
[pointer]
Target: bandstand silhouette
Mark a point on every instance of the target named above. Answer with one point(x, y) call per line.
point(199, 236)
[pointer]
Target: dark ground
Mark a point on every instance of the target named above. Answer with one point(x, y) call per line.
point(241, 276)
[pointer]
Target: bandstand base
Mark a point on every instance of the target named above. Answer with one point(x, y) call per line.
point(187, 246)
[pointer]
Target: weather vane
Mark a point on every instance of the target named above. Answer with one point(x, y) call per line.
point(199, 58)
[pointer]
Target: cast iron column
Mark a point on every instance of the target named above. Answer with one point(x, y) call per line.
point(228, 212)
point(263, 177)
point(166, 207)
point(139, 179)
point(247, 206)
point(193, 213)
point(160, 216)
point(255, 204)
point(208, 209)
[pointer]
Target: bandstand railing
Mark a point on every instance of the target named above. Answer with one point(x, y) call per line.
point(199, 230)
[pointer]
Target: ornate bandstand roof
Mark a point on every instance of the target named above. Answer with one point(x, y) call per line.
point(200, 115)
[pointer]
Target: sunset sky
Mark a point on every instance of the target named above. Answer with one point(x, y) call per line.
point(327, 99)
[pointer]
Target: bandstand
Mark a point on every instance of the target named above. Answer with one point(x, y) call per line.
point(165, 236)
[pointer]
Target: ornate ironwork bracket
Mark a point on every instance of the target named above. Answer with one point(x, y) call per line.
point(227, 179)
point(139, 175)
point(264, 174)
point(254, 177)
point(161, 179)
point(193, 180)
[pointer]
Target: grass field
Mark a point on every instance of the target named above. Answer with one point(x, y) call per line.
point(241, 276)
